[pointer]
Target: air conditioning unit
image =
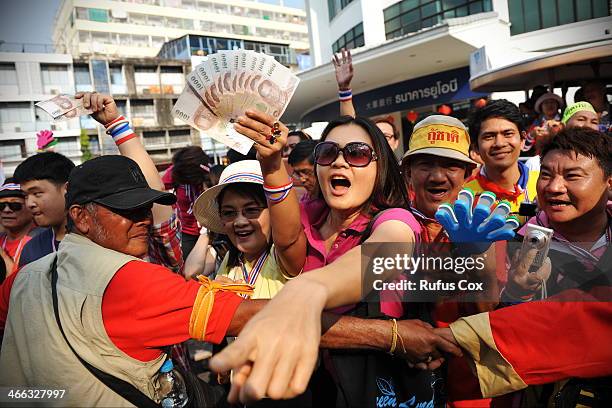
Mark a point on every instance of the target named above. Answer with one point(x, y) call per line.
point(17, 128)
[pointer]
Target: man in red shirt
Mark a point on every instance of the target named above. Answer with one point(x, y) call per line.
point(17, 222)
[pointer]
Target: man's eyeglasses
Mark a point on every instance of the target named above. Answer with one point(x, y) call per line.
point(13, 206)
point(298, 174)
point(356, 154)
point(251, 213)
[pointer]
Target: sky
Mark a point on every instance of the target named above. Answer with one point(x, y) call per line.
point(27, 21)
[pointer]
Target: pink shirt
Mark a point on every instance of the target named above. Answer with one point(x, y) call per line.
point(313, 214)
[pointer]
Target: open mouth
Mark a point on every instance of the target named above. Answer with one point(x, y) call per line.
point(243, 234)
point(340, 184)
point(437, 192)
point(556, 203)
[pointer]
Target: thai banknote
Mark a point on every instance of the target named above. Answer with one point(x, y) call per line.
point(226, 84)
point(63, 107)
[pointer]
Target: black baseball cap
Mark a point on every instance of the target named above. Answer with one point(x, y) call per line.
point(115, 182)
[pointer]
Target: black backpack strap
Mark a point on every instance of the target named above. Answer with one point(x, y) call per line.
point(121, 387)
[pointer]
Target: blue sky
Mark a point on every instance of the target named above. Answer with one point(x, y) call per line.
point(27, 21)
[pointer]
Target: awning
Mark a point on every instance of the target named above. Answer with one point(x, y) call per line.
point(433, 50)
point(568, 66)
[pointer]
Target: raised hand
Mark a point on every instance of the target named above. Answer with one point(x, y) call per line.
point(276, 351)
point(483, 224)
point(343, 64)
point(260, 128)
point(103, 106)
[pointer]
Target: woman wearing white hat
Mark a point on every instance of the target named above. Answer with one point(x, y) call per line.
point(237, 208)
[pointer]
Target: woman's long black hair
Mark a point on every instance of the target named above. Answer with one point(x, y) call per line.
point(389, 188)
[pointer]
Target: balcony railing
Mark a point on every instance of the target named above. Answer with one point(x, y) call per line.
point(26, 47)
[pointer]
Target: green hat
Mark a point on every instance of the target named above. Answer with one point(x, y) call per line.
point(576, 107)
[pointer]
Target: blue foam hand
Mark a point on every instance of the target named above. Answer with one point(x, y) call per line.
point(479, 226)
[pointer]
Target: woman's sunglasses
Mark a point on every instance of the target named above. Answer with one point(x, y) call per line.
point(13, 206)
point(356, 154)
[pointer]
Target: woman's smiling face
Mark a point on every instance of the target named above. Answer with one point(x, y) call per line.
point(343, 186)
point(246, 222)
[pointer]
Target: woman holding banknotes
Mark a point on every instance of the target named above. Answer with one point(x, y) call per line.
point(361, 201)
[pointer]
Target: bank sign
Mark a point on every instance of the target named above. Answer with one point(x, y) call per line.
point(443, 87)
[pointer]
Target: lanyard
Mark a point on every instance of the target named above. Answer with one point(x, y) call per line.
point(255, 271)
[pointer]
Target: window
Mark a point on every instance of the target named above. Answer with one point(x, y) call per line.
point(409, 16)
point(84, 36)
point(54, 74)
point(82, 13)
point(143, 112)
point(117, 80)
point(8, 74)
point(139, 19)
point(532, 15)
point(100, 15)
point(335, 6)
point(153, 138)
point(353, 38)
point(68, 146)
point(11, 149)
point(82, 78)
point(14, 114)
point(103, 38)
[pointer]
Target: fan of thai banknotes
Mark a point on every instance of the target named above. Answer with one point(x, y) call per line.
point(228, 83)
point(63, 107)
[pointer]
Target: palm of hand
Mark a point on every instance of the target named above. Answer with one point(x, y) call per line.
point(344, 75)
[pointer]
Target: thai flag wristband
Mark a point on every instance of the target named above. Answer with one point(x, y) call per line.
point(278, 194)
point(345, 95)
point(120, 130)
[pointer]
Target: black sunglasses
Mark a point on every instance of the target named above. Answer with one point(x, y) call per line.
point(13, 206)
point(356, 154)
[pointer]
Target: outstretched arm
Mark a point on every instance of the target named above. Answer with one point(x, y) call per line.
point(282, 361)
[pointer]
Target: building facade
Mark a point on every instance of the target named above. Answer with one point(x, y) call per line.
point(27, 78)
point(414, 55)
point(138, 28)
point(139, 51)
point(145, 89)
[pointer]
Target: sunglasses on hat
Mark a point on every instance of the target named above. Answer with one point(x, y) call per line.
point(13, 206)
point(356, 154)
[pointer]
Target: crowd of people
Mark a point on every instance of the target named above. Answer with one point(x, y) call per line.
point(111, 268)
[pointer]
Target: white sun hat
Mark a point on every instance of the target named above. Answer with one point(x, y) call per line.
point(206, 209)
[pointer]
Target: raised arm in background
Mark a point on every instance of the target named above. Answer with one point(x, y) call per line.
point(343, 64)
